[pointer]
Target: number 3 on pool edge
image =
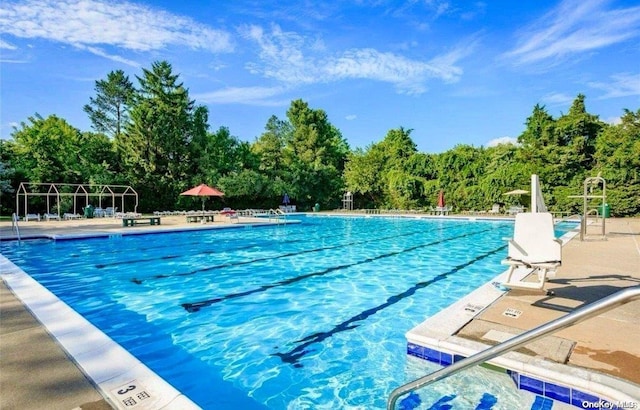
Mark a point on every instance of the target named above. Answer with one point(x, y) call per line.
point(128, 389)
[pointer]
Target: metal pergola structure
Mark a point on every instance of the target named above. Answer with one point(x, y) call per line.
point(77, 191)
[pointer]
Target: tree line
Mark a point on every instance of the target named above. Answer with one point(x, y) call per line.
point(155, 138)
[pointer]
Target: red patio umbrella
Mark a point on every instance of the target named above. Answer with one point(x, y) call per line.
point(441, 199)
point(203, 190)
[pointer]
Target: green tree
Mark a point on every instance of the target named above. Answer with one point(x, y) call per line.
point(8, 178)
point(155, 144)
point(363, 176)
point(503, 172)
point(109, 110)
point(46, 150)
point(314, 156)
point(460, 172)
point(576, 133)
point(617, 158)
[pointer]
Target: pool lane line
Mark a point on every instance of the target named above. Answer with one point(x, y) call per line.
point(233, 249)
point(266, 258)
point(192, 307)
point(289, 237)
point(205, 252)
point(294, 355)
point(171, 245)
point(157, 258)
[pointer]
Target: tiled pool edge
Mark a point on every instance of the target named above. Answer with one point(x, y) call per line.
point(433, 340)
point(121, 378)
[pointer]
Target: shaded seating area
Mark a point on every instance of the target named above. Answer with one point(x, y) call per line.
point(67, 199)
point(533, 247)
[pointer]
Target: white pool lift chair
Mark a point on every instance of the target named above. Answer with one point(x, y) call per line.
point(533, 247)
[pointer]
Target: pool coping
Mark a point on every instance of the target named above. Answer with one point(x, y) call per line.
point(434, 340)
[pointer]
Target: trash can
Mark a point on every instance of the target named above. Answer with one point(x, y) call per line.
point(88, 211)
point(604, 210)
point(316, 208)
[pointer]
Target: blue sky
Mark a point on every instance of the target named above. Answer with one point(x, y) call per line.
point(456, 72)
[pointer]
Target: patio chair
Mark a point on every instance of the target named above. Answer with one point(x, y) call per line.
point(515, 209)
point(534, 247)
point(495, 209)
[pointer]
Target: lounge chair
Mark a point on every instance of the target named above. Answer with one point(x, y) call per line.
point(515, 209)
point(52, 217)
point(495, 209)
point(535, 247)
point(32, 217)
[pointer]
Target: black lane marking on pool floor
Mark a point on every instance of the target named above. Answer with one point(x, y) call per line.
point(196, 306)
point(187, 246)
point(203, 252)
point(294, 355)
point(266, 258)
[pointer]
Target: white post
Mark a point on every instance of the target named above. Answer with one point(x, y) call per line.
point(534, 193)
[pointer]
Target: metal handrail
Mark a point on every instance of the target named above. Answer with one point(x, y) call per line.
point(14, 225)
point(569, 218)
point(586, 312)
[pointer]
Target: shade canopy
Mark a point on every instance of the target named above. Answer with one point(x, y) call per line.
point(441, 199)
point(203, 190)
point(516, 192)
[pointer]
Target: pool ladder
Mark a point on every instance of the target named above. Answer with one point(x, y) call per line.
point(607, 303)
point(15, 228)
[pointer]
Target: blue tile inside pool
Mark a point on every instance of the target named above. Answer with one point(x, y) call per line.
point(546, 391)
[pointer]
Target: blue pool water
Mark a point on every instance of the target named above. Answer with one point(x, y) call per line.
point(306, 316)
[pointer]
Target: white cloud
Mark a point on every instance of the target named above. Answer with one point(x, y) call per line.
point(350, 117)
point(556, 99)
point(265, 96)
point(99, 52)
point(7, 46)
point(85, 23)
point(574, 27)
point(613, 120)
point(621, 85)
point(291, 59)
point(502, 140)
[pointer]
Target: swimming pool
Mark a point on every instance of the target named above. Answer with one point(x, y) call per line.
point(299, 316)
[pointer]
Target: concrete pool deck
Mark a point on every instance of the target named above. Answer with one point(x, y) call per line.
point(36, 373)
